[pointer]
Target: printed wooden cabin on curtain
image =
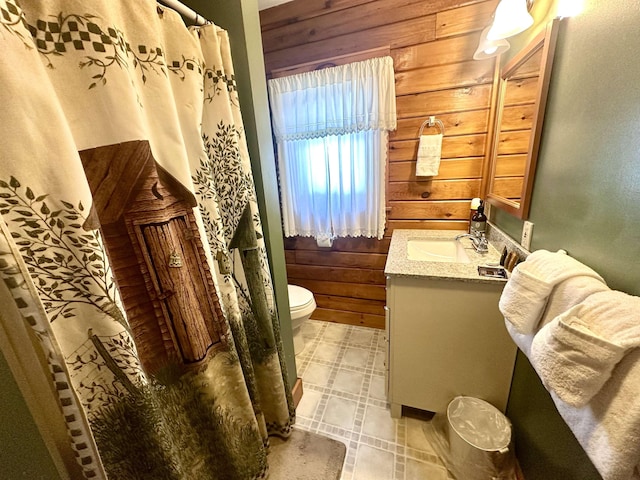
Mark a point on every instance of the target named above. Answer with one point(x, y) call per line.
point(154, 246)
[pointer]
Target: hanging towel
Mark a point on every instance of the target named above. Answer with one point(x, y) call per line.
point(429, 151)
point(571, 361)
point(564, 296)
point(608, 425)
point(576, 353)
point(525, 295)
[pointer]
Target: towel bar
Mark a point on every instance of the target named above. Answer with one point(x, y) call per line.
point(430, 122)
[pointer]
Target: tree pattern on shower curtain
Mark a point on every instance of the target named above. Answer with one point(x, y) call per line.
point(69, 268)
point(209, 423)
point(82, 270)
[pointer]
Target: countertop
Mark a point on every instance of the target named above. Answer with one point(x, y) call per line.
point(398, 263)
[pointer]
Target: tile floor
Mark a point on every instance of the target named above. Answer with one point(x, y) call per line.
point(342, 369)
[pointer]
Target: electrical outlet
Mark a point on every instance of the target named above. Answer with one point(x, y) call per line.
point(527, 232)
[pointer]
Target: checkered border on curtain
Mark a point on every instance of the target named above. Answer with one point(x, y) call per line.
point(12, 14)
point(31, 312)
point(217, 76)
point(81, 35)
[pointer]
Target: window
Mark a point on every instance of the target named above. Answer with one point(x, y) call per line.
point(331, 129)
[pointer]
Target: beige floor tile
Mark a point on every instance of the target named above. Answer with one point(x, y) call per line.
point(317, 374)
point(308, 403)
point(340, 412)
point(378, 363)
point(416, 437)
point(305, 351)
point(327, 352)
point(355, 357)
point(310, 329)
point(390, 449)
point(415, 470)
point(377, 387)
point(335, 332)
point(379, 424)
point(361, 337)
point(347, 381)
point(373, 464)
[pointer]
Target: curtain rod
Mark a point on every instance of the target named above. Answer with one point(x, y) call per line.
point(185, 11)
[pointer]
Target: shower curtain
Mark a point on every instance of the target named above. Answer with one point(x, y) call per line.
point(79, 78)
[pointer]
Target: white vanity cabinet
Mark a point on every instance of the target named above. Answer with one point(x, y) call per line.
point(446, 338)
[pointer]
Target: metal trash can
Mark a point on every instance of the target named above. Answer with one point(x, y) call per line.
point(479, 440)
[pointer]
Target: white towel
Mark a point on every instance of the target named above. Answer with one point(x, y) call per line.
point(429, 152)
point(608, 426)
point(564, 296)
point(569, 293)
point(571, 360)
point(576, 353)
point(612, 315)
point(525, 295)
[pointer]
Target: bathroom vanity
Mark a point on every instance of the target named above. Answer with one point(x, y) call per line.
point(445, 335)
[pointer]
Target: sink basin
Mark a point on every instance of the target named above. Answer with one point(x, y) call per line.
point(436, 250)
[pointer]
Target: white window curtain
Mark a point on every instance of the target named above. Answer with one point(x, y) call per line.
point(331, 128)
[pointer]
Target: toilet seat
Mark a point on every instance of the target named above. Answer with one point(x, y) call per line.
point(301, 301)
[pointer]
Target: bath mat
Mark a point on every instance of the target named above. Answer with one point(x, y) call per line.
point(305, 456)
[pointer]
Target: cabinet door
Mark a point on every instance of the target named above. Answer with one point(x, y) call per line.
point(448, 339)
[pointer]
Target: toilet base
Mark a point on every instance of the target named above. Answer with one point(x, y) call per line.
point(298, 341)
point(302, 305)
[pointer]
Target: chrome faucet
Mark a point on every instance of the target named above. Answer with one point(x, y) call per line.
point(479, 241)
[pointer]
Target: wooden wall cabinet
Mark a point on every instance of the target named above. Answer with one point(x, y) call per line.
point(445, 338)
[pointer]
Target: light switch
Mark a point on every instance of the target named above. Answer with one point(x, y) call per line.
point(527, 232)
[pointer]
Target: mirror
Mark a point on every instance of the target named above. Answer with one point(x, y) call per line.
point(521, 99)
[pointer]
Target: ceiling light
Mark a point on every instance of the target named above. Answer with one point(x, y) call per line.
point(511, 18)
point(489, 48)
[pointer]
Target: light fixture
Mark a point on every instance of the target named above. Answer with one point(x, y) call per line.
point(511, 18)
point(569, 8)
point(490, 48)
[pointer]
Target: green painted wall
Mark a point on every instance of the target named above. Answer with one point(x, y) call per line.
point(585, 198)
point(241, 19)
point(23, 454)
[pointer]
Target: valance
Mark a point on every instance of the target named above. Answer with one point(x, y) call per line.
point(334, 101)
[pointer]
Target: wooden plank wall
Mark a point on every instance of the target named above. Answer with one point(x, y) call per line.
point(432, 44)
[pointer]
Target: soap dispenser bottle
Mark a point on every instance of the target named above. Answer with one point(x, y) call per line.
point(479, 220)
point(475, 203)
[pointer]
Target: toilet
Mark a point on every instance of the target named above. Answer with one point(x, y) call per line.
point(301, 305)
